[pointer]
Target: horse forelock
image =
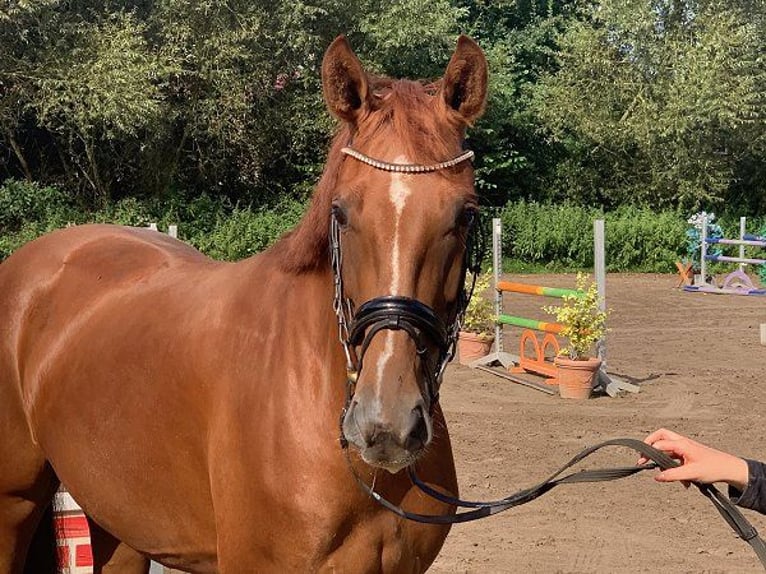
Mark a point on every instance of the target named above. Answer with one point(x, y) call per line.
point(404, 112)
point(408, 113)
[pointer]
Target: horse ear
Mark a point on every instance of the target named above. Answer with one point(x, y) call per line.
point(464, 87)
point(344, 81)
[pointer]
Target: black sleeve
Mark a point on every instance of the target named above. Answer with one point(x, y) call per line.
point(754, 496)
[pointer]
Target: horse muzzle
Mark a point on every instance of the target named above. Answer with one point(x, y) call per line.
point(389, 444)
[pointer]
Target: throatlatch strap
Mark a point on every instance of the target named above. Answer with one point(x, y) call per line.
point(725, 507)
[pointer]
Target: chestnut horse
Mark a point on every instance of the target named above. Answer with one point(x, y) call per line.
point(193, 408)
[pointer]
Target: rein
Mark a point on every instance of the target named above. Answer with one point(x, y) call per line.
point(721, 502)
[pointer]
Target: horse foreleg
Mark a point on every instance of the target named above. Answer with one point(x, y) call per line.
point(27, 486)
point(22, 547)
point(111, 556)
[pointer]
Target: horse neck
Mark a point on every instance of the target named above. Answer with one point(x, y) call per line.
point(296, 308)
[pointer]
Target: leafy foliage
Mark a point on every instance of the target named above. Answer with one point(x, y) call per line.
point(212, 225)
point(583, 320)
point(658, 103)
point(22, 203)
point(480, 313)
point(224, 98)
point(561, 237)
point(536, 237)
point(182, 109)
point(244, 232)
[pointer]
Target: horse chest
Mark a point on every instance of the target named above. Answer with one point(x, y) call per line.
point(383, 544)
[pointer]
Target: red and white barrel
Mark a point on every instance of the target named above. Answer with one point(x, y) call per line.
point(73, 536)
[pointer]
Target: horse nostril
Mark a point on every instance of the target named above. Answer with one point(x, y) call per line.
point(377, 435)
point(372, 437)
point(418, 433)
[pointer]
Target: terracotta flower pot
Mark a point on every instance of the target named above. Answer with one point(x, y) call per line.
point(471, 346)
point(576, 377)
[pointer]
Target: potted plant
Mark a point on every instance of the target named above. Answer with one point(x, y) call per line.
point(584, 324)
point(477, 331)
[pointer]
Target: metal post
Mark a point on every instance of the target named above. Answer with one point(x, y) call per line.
point(703, 252)
point(611, 384)
point(742, 226)
point(498, 355)
point(599, 270)
point(497, 265)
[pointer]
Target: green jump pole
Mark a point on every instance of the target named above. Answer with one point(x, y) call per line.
point(530, 324)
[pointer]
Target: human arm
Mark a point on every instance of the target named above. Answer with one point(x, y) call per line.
point(753, 496)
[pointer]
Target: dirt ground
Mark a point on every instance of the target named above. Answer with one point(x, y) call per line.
point(701, 369)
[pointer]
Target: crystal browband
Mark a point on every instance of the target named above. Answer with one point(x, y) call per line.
point(407, 167)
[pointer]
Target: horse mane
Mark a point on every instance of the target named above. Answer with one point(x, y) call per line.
point(404, 111)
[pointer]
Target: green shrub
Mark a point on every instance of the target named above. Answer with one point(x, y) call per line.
point(128, 211)
point(583, 320)
point(245, 232)
point(23, 202)
point(28, 210)
point(480, 312)
point(560, 237)
point(213, 225)
point(537, 237)
point(553, 235)
point(643, 240)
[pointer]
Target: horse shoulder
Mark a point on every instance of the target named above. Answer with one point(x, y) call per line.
point(56, 285)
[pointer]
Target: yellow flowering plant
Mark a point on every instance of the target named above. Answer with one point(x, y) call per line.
point(480, 313)
point(583, 320)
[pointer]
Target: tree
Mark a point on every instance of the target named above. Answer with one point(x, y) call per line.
point(111, 99)
point(658, 103)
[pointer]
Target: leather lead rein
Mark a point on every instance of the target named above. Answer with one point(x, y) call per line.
point(730, 513)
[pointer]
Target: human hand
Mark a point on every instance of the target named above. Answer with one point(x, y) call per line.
point(699, 463)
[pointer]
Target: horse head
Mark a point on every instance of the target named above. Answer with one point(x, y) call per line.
point(403, 207)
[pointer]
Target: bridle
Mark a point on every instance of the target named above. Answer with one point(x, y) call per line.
point(357, 327)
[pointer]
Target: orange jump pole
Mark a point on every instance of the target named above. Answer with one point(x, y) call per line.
point(510, 287)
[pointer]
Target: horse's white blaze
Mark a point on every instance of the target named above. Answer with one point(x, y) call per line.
point(385, 356)
point(398, 192)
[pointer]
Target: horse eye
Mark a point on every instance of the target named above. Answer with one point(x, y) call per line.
point(340, 215)
point(468, 216)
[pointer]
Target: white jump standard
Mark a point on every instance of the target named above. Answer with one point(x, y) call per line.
point(541, 365)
